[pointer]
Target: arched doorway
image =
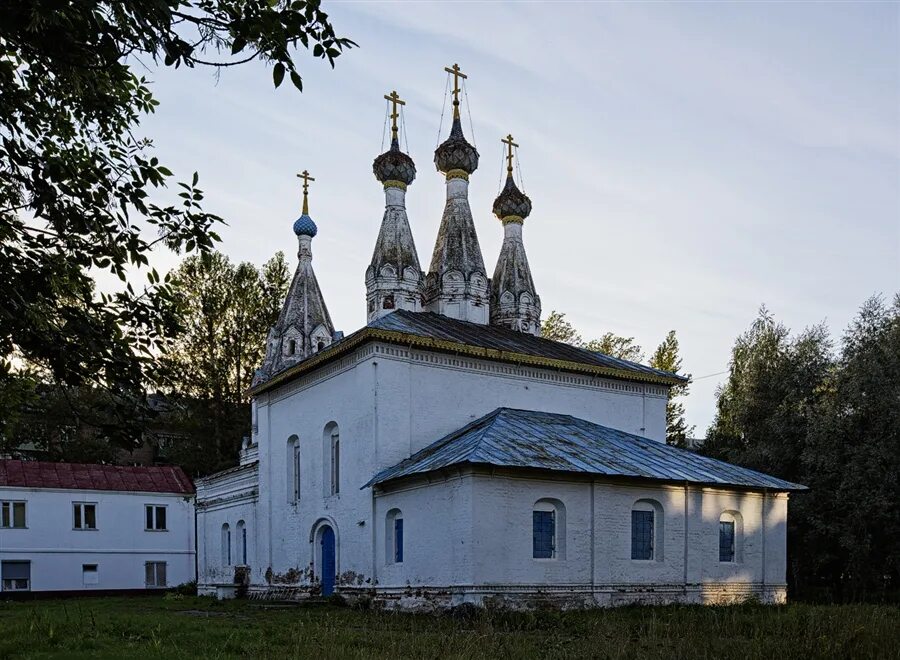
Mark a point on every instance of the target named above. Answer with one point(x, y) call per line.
point(326, 541)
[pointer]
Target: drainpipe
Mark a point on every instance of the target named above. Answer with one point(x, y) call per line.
point(687, 493)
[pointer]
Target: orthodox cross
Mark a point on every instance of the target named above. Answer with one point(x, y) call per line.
point(394, 99)
point(508, 141)
point(457, 74)
point(306, 179)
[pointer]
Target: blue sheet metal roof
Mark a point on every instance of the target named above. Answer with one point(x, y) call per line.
point(437, 326)
point(538, 440)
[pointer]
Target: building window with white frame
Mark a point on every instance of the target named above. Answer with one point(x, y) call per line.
point(331, 454)
point(548, 529)
point(15, 576)
point(731, 529)
point(393, 535)
point(155, 518)
point(226, 545)
point(84, 515)
point(242, 542)
point(647, 530)
point(12, 514)
point(155, 574)
point(90, 575)
point(293, 469)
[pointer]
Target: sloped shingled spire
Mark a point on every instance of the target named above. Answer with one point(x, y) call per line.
point(457, 283)
point(394, 278)
point(514, 300)
point(304, 326)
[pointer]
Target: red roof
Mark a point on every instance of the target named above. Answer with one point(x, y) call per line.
point(87, 476)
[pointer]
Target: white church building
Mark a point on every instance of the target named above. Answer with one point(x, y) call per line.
point(445, 453)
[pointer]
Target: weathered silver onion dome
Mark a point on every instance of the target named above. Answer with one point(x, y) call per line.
point(455, 153)
point(511, 201)
point(394, 165)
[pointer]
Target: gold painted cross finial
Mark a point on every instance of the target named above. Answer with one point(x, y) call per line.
point(306, 179)
point(394, 99)
point(508, 141)
point(457, 74)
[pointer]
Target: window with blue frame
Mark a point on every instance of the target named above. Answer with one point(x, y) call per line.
point(398, 540)
point(642, 535)
point(726, 541)
point(543, 534)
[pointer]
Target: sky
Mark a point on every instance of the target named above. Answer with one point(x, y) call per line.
point(687, 162)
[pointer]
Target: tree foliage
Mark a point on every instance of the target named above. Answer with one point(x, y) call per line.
point(225, 312)
point(558, 328)
point(792, 408)
point(79, 189)
point(667, 358)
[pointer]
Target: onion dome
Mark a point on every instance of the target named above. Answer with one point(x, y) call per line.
point(304, 226)
point(455, 153)
point(512, 202)
point(394, 165)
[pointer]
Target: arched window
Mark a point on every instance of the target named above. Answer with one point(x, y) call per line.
point(226, 545)
point(647, 525)
point(320, 346)
point(332, 449)
point(731, 532)
point(242, 542)
point(393, 535)
point(548, 529)
point(292, 460)
point(292, 346)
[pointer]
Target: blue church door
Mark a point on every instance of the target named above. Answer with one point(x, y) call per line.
point(328, 567)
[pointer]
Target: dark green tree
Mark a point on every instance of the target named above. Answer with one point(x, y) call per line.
point(852, 464)
point(79, 187)
point(224, 312)
point(667, 358)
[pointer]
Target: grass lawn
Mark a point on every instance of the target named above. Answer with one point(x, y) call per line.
point(166, 627)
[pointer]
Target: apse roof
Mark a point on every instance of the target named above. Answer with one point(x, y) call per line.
point(530, 439)
point(88, 476)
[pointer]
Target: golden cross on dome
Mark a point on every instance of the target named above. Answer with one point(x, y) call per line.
point(306, 179)
point(457, 74)
point(394, 99)
point(508, 141)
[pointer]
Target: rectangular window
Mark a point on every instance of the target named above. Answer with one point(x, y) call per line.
point(90, 575)
point(12, 515)
point(297, 472)
point(155, 573)
point(335, 464)
point(543, 528)
point(155, 518)
point(726, 540)
point(642, 535)
point(85, 515)
point(398, 540)
point(15, 575)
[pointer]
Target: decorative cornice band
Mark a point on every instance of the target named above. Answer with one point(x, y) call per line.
point(406, 339)
point(391, 183)
point(517, 219)
point(458, 174)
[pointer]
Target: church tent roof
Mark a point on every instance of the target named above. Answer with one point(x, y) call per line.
point(437, 332)
point(529, 439)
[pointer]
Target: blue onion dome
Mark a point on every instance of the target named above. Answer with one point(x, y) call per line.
point(455, 153)
point(511, 201)
point(304, 226)
point(394, 165)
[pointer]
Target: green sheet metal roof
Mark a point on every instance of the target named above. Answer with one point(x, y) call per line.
point(548, 441)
